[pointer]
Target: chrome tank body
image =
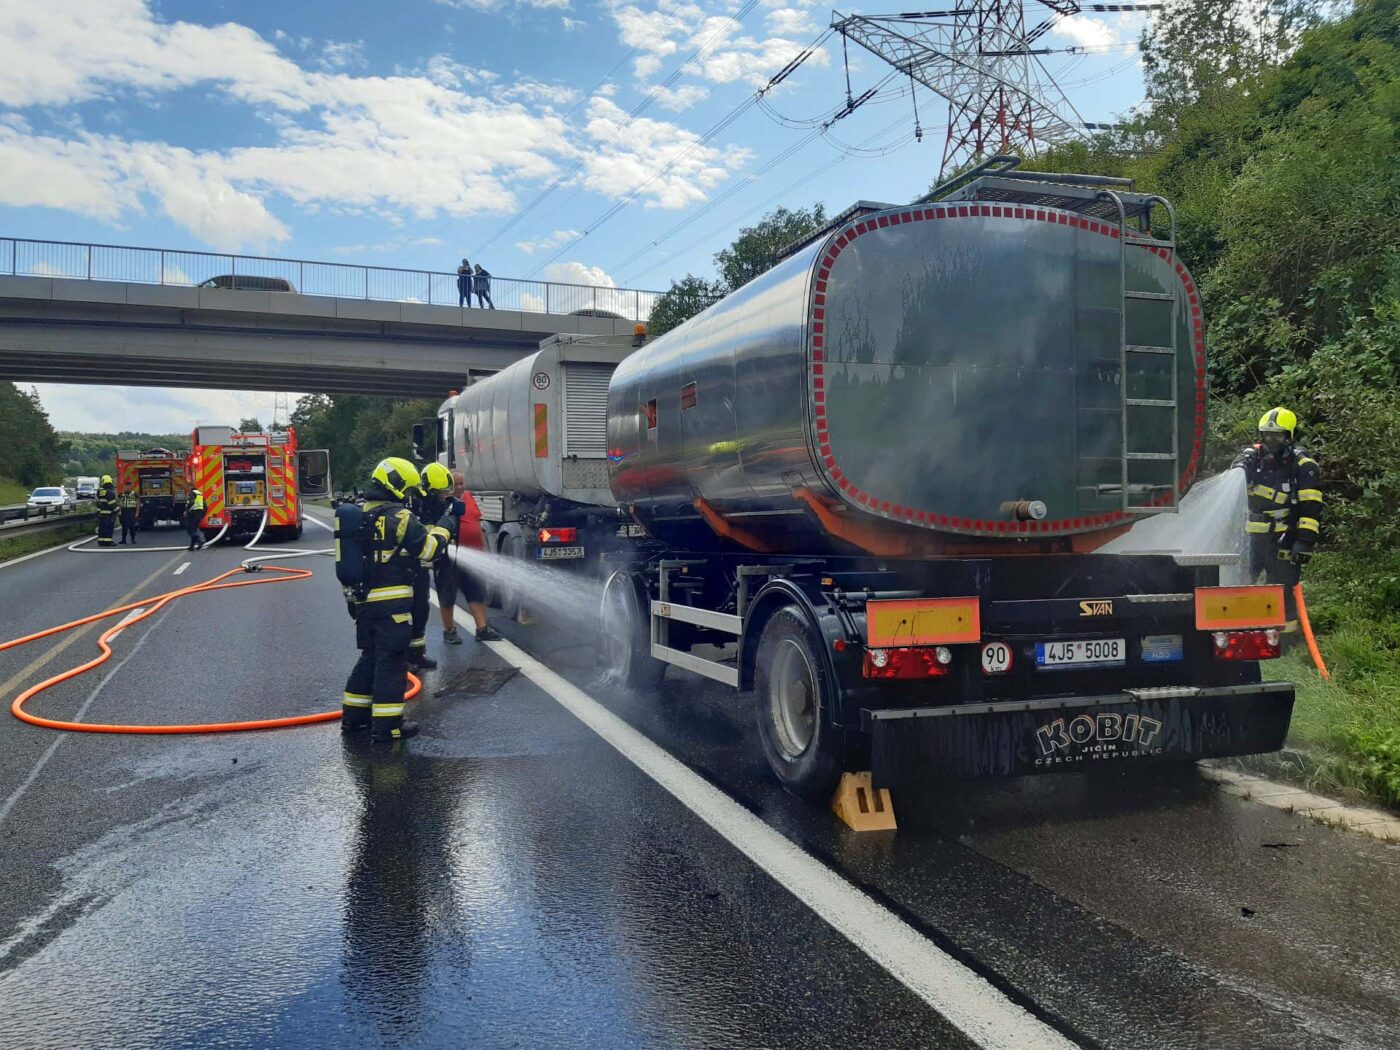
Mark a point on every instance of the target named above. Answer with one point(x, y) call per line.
point(537, 428)
point(928, 366)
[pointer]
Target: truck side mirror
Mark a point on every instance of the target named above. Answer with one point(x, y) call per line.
point(420, 437)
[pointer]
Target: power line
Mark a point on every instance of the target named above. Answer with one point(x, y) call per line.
point(722, 124)
point(703, 51)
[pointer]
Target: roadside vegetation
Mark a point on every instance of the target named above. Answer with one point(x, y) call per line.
point(19, 546)
point(31, 452)
point(1280, 152)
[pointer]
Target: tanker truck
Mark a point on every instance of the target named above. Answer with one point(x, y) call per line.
point(529, 444)
point(877, 478)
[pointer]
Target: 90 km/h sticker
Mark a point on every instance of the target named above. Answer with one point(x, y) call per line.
point(996, 658)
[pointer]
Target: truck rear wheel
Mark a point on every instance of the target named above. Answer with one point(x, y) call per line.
point(627, 636)
point(794, 701)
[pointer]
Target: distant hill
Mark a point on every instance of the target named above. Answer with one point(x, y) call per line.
point(94, 454)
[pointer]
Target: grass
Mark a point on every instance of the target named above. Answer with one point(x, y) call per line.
point(1347, 731)
point(12, 492)
point(18, 546)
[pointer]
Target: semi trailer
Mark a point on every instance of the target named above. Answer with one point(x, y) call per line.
point(530, 445)
point(875, 481)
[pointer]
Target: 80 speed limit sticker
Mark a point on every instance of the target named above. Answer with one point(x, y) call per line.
point(996, 658)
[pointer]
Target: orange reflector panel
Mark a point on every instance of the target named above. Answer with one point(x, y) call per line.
point(922, 621)
point(1224, 608)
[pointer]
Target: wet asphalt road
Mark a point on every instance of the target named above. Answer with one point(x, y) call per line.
point(508, 879)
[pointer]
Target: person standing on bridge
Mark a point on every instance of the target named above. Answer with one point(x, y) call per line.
point(194, 514)
point(483, 287)
point(128, 508)
point(106, 511)
point(396, 545)
point(464, 284)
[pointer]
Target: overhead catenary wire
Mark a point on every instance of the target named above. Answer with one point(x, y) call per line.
point(781, 194)
point(723, 123)
point(701, 52)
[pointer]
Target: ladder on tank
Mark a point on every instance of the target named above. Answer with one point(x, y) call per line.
point(1134, 364)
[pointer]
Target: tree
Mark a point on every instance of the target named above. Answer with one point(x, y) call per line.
point(686, 298)
point(250, 426)
point(31, 452)
point(759, 247)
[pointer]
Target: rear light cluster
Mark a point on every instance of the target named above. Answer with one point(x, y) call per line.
point(921, 661)
point(558, 535)
point(1246, 645)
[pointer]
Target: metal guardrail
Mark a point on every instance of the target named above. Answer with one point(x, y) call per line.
point(54, 521)
point(24, 510)
point(21, 257)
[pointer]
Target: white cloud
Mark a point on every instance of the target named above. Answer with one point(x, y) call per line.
point(447, 138)
point(109, 409)
point(578, 273)
point(554, 240)
point(620, 166)
point(680, 98)
point(1086, 31)
point(342, 54)
point(678, 27)
point(497, 5)
point(571, 24)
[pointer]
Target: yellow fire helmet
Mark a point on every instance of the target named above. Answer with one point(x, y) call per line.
point(398, 476)
point(106, 479)
point(436, 478)
point(1278, 421)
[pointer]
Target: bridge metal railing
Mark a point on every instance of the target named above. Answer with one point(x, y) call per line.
point(22, 257)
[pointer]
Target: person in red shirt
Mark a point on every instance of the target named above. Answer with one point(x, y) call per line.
point(447, 574)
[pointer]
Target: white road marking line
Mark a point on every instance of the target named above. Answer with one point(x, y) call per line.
point(966, 1000)
point(182, 568)
point(18, 793)
point(36, 554)
point(124, 621)
point(317, 521)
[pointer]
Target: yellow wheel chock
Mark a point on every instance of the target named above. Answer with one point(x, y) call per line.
point(860, 806)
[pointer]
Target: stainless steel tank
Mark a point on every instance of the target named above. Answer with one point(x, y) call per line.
point(537, 427)
point(955, 368)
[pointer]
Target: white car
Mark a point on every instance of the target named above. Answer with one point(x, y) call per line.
point(56, 496)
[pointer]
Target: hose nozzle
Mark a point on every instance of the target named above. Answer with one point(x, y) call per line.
point(1024, 509)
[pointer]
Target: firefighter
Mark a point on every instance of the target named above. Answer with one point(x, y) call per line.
point(446, 574)
point(396, 545)
point(1285, 504)
point(127, 508)
point(106, 511)
point(194, 514)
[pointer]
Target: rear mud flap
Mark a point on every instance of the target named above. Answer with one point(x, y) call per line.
point(1072, 735)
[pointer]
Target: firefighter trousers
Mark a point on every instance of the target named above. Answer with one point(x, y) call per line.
point(191, 522)
point(1264, 558)
point(421, 608)
point(128, 520)
point(105, 523)
point(375, 688)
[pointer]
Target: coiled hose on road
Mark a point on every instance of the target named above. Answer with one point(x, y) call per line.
point(152, 606)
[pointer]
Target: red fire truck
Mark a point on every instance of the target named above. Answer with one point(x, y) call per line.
point(246, 476)
point(158, 477)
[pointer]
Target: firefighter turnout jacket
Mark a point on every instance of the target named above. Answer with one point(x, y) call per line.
point(106, 502)
point(1285, 497)
point(399, 545)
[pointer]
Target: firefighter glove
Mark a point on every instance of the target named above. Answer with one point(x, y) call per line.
point(1301, 558)
point(1248, 459)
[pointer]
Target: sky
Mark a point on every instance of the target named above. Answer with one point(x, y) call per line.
point(409, 134)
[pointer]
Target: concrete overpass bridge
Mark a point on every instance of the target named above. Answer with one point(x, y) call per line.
point(106, 314)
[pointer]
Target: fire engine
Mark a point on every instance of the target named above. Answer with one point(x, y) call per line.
point(246, 476)
point(158, 477)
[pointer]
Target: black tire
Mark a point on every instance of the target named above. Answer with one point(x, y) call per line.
point(509, 593)
point(626, 649)
point(793, 699)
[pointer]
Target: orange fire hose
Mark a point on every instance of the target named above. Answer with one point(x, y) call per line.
point(1308, 634)
point(154, 605)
